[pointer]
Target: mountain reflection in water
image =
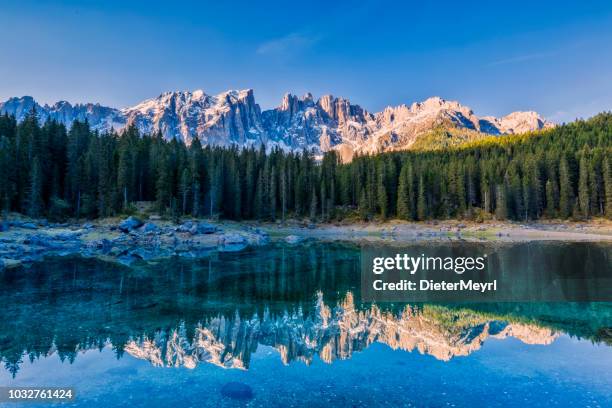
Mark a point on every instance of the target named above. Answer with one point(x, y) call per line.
point(302, 301)
point(332, 334)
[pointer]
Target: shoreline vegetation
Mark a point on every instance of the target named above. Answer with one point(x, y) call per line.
point(24, 240)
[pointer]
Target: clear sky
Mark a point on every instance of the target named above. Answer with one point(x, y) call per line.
point(494, 56)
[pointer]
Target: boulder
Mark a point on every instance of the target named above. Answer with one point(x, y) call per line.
point(26, 225)
point(150, 228)
point(206, 228)
point(232, 242)
point(230, 239)
point(66, 236)
point(186, 226)
point(129, 224)
point(38, 240)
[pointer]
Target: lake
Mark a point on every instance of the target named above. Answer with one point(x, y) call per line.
point(284, 326)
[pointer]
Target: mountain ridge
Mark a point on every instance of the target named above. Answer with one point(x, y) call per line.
point(233, 118)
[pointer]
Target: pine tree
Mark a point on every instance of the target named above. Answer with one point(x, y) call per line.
point(550, 199)
point(283, 192)
point(501, 203)
point(403, 190)
point(421, 200)
point(313, 206)
point(259, 197)
point(7, 187)
point(607, 179)
point(565, 189)
point(163, 186)
point(185, 189)
point(383, 199)
point(272, 193)
point(364, 206)
point(583, 187)
point(35, 201)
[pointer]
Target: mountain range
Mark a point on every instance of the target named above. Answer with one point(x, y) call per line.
point(234, 118)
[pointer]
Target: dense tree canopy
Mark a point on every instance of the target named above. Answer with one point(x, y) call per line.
point(47, 170)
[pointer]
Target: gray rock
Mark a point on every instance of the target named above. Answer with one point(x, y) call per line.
point(150, 228)
point(130, 224)
point(229, 239)
point(206, 228)
point(38, 240)
point(66, 236)
point(142, 253)
point(232, 242)
point(186, 226)
point(26, 225)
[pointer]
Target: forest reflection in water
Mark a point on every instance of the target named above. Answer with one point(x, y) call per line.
point(301, 300)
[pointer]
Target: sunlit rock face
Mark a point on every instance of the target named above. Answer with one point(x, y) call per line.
point(233, 118)
point(230, 118)
point(332, 334)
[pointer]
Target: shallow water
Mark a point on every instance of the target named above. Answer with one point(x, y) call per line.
point(287, 325)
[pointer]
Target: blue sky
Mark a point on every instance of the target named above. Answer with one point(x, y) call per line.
point(496, 57)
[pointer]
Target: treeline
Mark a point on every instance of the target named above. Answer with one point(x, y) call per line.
point(47, 170)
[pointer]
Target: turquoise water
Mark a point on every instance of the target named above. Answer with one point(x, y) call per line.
point(284, 326)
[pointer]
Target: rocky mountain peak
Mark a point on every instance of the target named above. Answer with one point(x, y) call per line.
point(234, 118)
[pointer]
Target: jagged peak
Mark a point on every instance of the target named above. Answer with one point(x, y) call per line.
point(329, 122)
point(436, 103)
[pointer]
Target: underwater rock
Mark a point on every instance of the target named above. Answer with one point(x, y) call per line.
point(293, 239)
point(237, 390)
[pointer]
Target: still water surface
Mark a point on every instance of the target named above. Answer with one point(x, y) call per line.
point(284, 326)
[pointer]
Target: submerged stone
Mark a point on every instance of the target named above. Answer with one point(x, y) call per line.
point(237, 390)
point(293, 239)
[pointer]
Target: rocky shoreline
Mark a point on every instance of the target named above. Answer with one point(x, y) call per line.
point(24, 241)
